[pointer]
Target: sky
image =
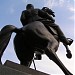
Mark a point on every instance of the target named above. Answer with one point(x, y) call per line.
point(10, 12)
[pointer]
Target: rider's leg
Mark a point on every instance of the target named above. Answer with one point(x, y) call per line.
point(61, 35)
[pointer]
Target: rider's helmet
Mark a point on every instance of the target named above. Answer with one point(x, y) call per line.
point(29, 6)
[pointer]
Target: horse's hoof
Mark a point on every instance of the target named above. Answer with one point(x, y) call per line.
point(69, 55)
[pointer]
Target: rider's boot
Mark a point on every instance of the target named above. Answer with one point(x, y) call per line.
point(70, 40)
point(65, 40)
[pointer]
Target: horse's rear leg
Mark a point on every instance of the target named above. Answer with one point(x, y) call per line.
point(52, 55)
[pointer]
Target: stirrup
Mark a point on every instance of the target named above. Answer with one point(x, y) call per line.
point(70, 41)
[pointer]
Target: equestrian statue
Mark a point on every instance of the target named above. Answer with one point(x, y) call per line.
point(39, 35)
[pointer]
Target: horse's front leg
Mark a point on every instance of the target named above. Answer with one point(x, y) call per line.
point(52, 55)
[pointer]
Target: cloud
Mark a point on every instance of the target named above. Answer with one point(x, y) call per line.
point(50, 3)
point(61, 2)
point(72, 10)
point(71, 7)
point(54, 3)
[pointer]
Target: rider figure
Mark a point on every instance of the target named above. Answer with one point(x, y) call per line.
point(31, 14)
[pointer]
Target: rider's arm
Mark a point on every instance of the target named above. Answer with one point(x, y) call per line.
point(49, 11)
point(45, 15)
point(23, 18)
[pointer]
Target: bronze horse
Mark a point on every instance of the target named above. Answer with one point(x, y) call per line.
point(30, 38)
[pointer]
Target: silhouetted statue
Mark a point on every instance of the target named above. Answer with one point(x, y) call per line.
point(31, 14)
point(34, 36)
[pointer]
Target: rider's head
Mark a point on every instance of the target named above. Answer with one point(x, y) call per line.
point(29, 6)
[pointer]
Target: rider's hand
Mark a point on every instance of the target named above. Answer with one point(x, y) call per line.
point(53, 14)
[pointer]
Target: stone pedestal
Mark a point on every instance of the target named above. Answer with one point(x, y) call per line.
point(11, 68)
point(4, 70)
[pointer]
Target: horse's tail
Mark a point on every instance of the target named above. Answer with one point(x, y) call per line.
point(5, 35)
